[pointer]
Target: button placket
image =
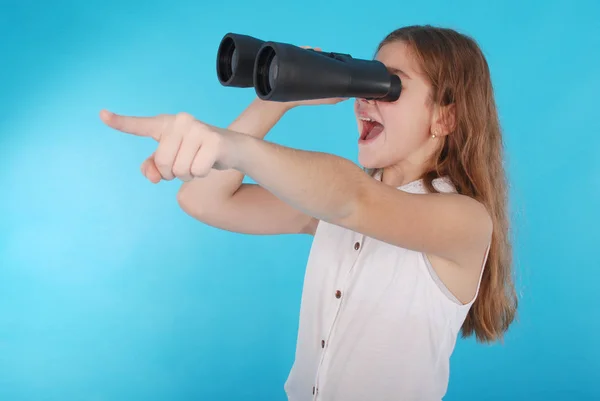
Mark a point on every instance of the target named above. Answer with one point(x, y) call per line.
point(338, 295)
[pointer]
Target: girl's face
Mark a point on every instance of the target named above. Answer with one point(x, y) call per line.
point(400, 131)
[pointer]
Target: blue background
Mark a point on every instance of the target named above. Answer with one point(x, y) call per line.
point(108, 291)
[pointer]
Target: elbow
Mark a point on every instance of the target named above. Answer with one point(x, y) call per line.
point(191, 204)
point(183, 199)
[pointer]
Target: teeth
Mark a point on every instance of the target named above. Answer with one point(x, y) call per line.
point(366, 119)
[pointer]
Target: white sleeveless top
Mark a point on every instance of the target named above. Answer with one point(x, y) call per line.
point(375, 321)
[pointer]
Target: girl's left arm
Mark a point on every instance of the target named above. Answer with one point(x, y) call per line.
point(336, 190)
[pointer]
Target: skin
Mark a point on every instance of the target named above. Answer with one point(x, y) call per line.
point(453, 230)
point(409, 123)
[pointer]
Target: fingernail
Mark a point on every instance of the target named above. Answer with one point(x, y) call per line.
point(107, 114)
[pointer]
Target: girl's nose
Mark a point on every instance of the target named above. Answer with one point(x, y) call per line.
point(363, 103)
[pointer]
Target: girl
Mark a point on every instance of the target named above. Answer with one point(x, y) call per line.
point(406, 254)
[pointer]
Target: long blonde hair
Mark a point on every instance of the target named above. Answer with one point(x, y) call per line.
point(472, 157)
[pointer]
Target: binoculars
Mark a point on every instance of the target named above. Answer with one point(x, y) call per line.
point(283, 72)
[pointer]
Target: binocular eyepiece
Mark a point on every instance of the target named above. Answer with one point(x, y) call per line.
point(283, 72)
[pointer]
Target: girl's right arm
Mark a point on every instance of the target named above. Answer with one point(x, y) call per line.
point(221, 199)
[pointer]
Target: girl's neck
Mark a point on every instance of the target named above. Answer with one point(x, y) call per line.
point(397, 176)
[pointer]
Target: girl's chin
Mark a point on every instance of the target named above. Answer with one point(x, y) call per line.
point(367, 161)
point(374, 159)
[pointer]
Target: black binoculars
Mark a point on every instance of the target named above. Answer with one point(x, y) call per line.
point(283, 72)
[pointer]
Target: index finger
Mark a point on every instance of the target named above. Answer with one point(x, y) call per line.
point(141, 126)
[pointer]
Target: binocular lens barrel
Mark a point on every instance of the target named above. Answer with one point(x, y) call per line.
point(284, 72)
point(266, 71)
point(235, 60)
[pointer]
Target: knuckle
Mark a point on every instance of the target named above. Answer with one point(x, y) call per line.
point(195, 170)
point(199, 169)
point(161, 161)
point(180, 170)
point(183, 118)
point(197, 131)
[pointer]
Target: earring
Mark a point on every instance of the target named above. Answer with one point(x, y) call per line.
point(434, 134)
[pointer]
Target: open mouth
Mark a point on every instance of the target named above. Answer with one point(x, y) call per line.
point(370, 129)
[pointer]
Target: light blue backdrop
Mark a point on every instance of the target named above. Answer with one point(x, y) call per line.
point(108, 291)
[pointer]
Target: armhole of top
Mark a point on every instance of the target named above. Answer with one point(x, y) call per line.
point(438, 281)
point(445, 290)
point(485, 258)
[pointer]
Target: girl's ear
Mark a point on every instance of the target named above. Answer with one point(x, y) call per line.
point(444, 120)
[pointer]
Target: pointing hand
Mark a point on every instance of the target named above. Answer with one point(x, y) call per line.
point(187, 148)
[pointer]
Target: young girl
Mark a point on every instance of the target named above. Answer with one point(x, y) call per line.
point(406, 254)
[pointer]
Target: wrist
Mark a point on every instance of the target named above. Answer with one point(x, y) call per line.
point(236, 147)
point(273, 107)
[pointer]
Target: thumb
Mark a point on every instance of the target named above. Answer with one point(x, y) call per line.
point(150, 171)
